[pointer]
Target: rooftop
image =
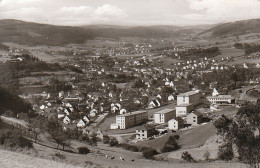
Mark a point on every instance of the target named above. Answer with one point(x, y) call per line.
point(131, 113)
point(221, 96)
point(165, 111)
point(193, 92)
point(184, 105)
point(197, 113)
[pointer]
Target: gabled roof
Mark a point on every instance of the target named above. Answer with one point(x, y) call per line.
point(197, 113)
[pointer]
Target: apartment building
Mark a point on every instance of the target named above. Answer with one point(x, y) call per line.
point(163, 116)
point(131, 119)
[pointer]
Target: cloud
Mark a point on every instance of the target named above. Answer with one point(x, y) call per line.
point(129, 12)
point(109, 11)
point(56, 12)
point(223, 10)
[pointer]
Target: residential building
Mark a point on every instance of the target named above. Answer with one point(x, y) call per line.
point(220, 99)
point(81, 124)
point(153, 104)
point(194, 118)
point(66, 120)
point(187, 101)
point(143, 133)
point(176, 124)
point(163, 116)
point(191, 97)
point(131, 119)
point(183, 109)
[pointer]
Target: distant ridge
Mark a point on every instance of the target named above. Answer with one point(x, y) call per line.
point(235, 28)
point(41, 34)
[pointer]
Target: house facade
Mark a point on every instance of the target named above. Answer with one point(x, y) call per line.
point(143, 133)
point(176, 124)
point(194, 118)
point(220, 99)
point(163, 116)
point(131, 119)
point(183, 109)
point(191, 97)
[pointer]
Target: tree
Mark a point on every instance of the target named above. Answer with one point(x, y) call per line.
point(83, 150)
point(170, 145)
point(57, 133)
point(187, 157)
point(35, 129)
point(149, 153)
point(242, 131)
point(113, 142)
point(225, 152)
point(93, 139)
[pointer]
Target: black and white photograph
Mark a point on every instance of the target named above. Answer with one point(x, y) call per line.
point(129, 83)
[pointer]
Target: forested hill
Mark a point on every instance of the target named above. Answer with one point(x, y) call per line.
point(12, 104)
point(235, 28)
point(41, 34)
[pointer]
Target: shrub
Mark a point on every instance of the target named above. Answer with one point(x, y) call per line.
point(177, 137)
point(106, 140)
point(15, 139)
point(225, 152)
point(60, 156)
point(113, 142)
point(149, 153)
point(171, 145)
point(83, 150)
point(130, 147)
point(143, 148)
point(84, 138)
point(187, 157)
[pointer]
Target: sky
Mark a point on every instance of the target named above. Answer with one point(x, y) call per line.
point(130, 12)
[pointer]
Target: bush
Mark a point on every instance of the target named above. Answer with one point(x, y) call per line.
point(15, 139)
point(60, 156)
point(84, 138)
point(225, 152)
point(130, 147)
point(187, 157)
point(169, 148)
point(106, 140)
point(149, 153)
point(83, 150)
point(177, 137)
point(171, 144)
point(113, 142)
point(143, 148)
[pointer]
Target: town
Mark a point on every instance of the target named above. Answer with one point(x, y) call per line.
point(159, 98)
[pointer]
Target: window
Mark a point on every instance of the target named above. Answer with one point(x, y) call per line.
point(194, 120)
point(183, 99)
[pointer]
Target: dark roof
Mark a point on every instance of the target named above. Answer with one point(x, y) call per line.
point(198, 113)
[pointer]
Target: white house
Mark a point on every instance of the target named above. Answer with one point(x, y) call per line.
point(215, 92)
point(164, 116)
point(93, 113)
point(175, 124)
point(66, 120)
point(153, 104)
point(81, 124)
point(123, 111)
point(113, 126)
point(170, 98)
point(61, 115)
point(85, 118)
